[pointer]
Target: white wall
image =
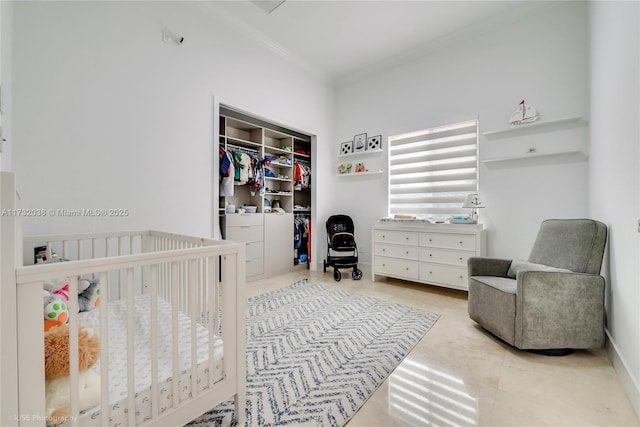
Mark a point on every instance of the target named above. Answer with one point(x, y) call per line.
point(614, 193)
point(106, 115)
point(542, 59)
point(6, 37)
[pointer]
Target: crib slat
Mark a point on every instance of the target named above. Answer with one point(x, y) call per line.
point(131, 384)
point(31, 362)
point(175, 293)
point(194, 316)
point(74, 359)
point(104, 350)
point(211, 314)
point(155, 392)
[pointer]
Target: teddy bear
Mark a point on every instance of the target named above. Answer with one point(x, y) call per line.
point(56, 367)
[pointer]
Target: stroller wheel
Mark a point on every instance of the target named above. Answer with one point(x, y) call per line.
point(324, 265)
point(337, 275)
point(356, 274)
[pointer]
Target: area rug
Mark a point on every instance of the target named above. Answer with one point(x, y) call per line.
point(315, 354)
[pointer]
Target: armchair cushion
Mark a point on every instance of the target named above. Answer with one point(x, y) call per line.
point(519, 265)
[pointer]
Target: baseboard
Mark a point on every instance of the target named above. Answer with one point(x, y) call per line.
point(629, 384)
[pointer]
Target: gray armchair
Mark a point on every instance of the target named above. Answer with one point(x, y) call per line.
point(552, 303)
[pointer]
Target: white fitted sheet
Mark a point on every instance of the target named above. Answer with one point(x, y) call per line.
point(117, 327)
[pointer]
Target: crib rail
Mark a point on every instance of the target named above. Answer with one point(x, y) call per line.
point(201, 280)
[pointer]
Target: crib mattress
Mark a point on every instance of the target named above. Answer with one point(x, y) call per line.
point(117, 311)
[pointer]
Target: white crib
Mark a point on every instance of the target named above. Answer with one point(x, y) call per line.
point(194, 285)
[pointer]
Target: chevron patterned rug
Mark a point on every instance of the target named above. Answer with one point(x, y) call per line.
point(315, 355)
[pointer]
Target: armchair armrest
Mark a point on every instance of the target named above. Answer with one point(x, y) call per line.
point(481, 266)
point(559, 310)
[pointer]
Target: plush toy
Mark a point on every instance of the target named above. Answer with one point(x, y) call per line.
point(360, 167)
point(89, 297)
point(56, 311)
point(88, 292)
point(56, 369)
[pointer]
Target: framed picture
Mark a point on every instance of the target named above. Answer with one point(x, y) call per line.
point(360, 142)
point(374, 142)
point(346, 148)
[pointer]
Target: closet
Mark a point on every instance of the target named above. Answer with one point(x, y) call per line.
point(265, 182)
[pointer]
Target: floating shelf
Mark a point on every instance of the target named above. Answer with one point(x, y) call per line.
point(360, 173)
point(535, 155)
point(579, 121)
point(361, 153)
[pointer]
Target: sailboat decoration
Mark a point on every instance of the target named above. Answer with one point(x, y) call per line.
point(523, 114)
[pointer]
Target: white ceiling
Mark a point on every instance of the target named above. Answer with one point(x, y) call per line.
point(341, 40)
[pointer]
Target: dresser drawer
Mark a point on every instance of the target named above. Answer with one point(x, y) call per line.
point(255, 266)
point(445, 256)
point(445, 274)
point(395, 267)
point(451, 241)
point(400, 237)
point(255, 250)
point(249, 233)
point(397, 251)
point(232, 220)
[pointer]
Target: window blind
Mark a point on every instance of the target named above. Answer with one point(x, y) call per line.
point(431, 171)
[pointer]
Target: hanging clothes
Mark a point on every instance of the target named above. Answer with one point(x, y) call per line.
point(227, 172)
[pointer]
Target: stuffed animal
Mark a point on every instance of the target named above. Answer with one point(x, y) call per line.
point(88, 292)
point(56, 368)
point(56, 311)
point(89, 297)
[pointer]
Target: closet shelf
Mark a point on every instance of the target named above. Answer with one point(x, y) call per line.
point(232, 140)
point(282, 165)
point(360, 173)
point(276, 150)
point(535, 155)
point(575, 120)
point(360, 153)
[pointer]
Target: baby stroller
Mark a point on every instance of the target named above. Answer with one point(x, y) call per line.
point(342, 251)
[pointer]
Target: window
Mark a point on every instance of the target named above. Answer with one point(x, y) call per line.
point(431, 171)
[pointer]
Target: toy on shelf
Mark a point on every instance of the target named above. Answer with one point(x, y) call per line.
point(344, 168)
point(360, 167)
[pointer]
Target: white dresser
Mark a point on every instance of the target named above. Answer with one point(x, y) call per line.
point(434, 254)
point(248, 228)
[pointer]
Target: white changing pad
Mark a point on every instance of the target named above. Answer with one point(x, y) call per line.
point(117, 311)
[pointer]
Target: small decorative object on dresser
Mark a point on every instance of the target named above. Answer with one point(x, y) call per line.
point(374, 142)
point(419, 251)
point(360, 142)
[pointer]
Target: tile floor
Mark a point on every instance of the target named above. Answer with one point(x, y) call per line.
point(458, 375)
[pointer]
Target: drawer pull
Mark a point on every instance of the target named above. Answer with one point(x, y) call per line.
point(460, 241)
point(431, 240)
point(407, 252)
point(406, 238)
point(431, 272)
point(245, 226)
point(407, 268)
point(384, 250)
point(460, 258)
point(430, 255)
point(461, 277)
